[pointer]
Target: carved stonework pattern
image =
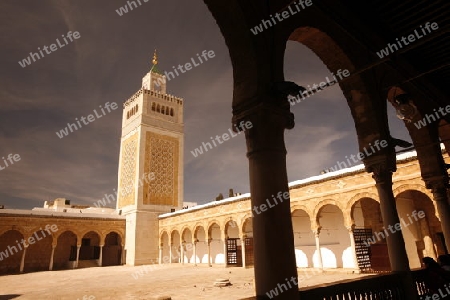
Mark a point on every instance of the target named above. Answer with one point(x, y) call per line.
point(128, 172)
point(161, 158)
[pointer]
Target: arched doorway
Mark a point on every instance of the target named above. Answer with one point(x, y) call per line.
point(371, 253)
point(233, 244)
point(112, 250)
point(216, 244)
point(65, 256)
point(39, 251)
point(89, 250)
point(201, 246)
point(11, 251)
point(334, 239)
point(304, 241)
point(420, 227)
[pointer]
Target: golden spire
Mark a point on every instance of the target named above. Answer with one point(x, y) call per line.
point(155, 58)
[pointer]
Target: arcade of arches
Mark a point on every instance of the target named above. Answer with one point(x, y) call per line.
point(75, 242)
point(337, 214)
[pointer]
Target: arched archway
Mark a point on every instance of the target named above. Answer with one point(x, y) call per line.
point(90, 250)
point(188, 253)
point(112, 250)
point(304, 241)
point(165, 244)
point(39, 251)
point(66, 251)
point(247, 233)
point(334, 238)
point(216, 244)
point(201, 245)
point(233, 254)
point(11, 251)
point(367, 220)
point(175, 247)
point(420, 227)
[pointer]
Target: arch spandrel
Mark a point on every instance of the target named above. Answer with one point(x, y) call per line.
point(323, 203)
point(413, 187)
point(295, 207)
point(5, 229)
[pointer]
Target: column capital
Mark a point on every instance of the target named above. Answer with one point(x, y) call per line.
point(438, 186)
point(264, 127)
point(382, 171)
point(351, 228)
point(316, 230)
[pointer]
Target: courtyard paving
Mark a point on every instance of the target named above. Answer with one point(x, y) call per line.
point(145, 282)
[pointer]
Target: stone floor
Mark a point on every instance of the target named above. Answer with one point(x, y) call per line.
point(145, 282)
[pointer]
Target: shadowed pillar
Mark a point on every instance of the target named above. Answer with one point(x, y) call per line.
point(319, 253)
point(78, 256)
point(272, 224)
point(22, 261)
point(50, 265)
point(439, 189)
point(382, 173)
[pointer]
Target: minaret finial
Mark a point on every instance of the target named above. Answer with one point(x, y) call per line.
point(155, 58)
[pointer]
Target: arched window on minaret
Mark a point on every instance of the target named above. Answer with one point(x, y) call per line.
point(167, 111)
point(171, 112)
point(153, 106)
point(137, 107)
point(163, 110)
point(158, 109)
point(128, 115)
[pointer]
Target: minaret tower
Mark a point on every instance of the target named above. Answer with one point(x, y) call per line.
point(150, 164)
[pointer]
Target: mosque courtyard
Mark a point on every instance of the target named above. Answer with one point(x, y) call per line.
point(147, 282)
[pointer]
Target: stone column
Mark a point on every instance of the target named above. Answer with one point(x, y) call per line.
point(264, 125)
point(439, 189)
point(395, 242)
point(50, 265)
point(22, 261)
point(100, 259)
point(319, 253)
point(122, 256)
point(195, 252)
point(78, 256)
point(182, 243)
point(382, 173)
point(170, 253)
point(225, 250)
point(209, 253)
point(353, 246)
point(161, 248)
point(244, 262)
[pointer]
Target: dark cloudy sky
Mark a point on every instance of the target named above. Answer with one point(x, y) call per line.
point(107, 63)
